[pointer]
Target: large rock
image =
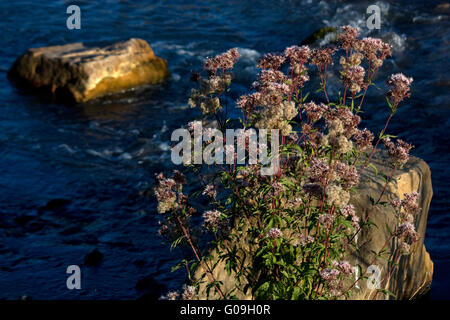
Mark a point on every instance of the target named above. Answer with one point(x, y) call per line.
point(414, 274)
point(79, 73)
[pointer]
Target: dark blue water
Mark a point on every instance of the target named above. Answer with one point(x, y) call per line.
point(97, 160)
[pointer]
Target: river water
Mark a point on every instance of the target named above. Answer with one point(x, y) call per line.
point(72, 178)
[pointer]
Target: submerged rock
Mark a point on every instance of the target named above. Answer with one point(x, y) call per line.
point(326, 35)
point(75, 72)
point(152, 289)
point(414, 274)
point(93, 258)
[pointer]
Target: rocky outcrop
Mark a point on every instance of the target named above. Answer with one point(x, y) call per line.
point(79, 73)
point(322, 36)
point(414, 274)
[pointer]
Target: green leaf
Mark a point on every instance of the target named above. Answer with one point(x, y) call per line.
point(263, 290)
point(374, 168)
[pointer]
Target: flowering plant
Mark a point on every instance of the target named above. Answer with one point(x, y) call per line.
point(285, 236)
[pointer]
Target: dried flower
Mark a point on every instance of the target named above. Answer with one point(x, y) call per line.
point(336, 196)
point(404, 248)
point(335, 127)
point(343, 145)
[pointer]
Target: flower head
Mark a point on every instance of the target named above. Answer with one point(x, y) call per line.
point(322, 57)
point(210, 191)
point(399, 88)
point(329, 274)
point(274, 233)
point(399, 152)
point(348, 37)
point(212, 219)
point(407, 230)
point(188, 293)
point(363, 139)
point(223, 61)
point(271, 61)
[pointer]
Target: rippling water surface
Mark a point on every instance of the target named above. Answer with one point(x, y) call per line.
point(72, 178)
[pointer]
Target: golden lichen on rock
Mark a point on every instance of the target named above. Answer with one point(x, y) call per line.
point(80, 73)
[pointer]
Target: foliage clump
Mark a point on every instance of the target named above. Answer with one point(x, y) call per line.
point(298, 220)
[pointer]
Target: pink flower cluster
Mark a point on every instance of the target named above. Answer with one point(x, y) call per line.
point(399, 152)
point(271, 61)
point(210, 191)
point(363, 139)
point(375, 50)
point(348, 174)
point(343, 266)
point(318, 170)
point(348, 37)
point(188, 293)
point(212, 219)
point(223, 61)
point(329, 274)
point(304, 240)
point(326, 220)
point(407, 230)
point(274, 233)
point(349, 211)
point(313, 111)
point(322, 57)
point(399, 88)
